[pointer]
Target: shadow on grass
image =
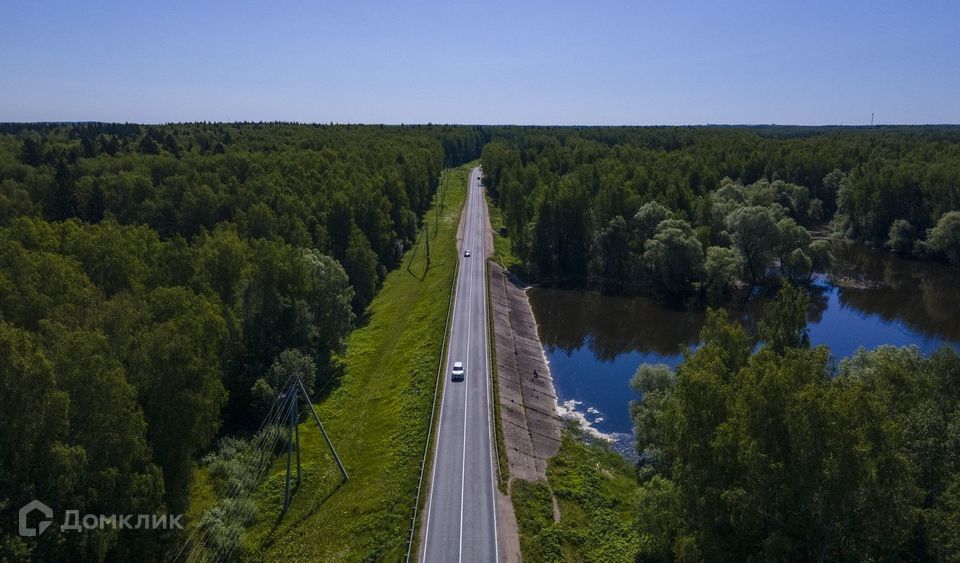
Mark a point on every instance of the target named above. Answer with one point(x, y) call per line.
point(298, 518)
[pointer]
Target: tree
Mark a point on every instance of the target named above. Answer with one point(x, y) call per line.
point(36, 411)
point(225, 263)
point(943, 520)
point(756, 235)
point(784, 322)
point(562, 231)
point(172, 349)
point(360, 263)
point(148, 146)
point(31, 153)
point(15, 202)
point(115, 257)
point(261, 221)
point(674, 255)
point(290, 362)
point(821, 257)
point(770, 456)
point(60, 201)
point(832, 183)
point(648, 217)
point(944, 238)
point(107, 437)
point(722, 269)
point(296, 298)
point(38, 285)
point(653, 382)
point(902, 237)
point(613, 261)
point(293, 362)
point(168, 282)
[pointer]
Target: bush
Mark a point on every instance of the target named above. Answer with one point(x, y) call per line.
point(902, 237)
point(944, 239)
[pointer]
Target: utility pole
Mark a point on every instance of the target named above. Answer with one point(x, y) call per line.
point(290, 424)
point(293, 393)
point(426, 236)
point(439, 202)
point(296, 429)
point(316, 417)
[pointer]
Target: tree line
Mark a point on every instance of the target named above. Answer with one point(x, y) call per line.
point(758, 447)
point(157, 283)
point(681, 210)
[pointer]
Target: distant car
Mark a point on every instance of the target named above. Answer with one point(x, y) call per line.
point(457, 372)
point(466, 254)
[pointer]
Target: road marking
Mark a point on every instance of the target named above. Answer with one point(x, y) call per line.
point(475, 214)
point(443, 395)
point(466, 390)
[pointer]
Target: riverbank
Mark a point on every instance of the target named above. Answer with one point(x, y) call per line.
point(584, 510)
point(527, 398)
point(867, 298)
point(571, 493)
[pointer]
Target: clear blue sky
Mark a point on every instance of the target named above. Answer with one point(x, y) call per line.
point(413, 61)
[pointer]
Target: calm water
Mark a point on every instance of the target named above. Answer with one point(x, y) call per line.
point(594, 343)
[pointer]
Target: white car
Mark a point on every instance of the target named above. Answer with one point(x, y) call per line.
point(457, 372)
point(466, 254)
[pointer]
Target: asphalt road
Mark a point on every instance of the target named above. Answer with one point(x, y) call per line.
point(461, 516)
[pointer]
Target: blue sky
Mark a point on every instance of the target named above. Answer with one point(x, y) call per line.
point(539, 62)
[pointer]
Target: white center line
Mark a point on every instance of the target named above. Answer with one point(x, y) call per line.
point(443, 395)
point(466, 363)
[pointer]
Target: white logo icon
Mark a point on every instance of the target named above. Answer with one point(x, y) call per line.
point(28, 531)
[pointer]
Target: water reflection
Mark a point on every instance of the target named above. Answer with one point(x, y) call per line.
point(922, 296)
point(595, 342)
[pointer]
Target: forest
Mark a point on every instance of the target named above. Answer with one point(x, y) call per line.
point(682, 211)
point(757, 446)
point(157, 283)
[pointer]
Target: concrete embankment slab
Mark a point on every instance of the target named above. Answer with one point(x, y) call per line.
point(531, 427)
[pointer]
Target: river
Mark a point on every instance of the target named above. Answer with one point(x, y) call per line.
point(595, 343)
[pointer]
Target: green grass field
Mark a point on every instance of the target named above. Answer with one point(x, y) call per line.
point(595, 489)
point(377, 418)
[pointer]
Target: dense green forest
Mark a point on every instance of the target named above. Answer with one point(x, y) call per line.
point(158, 282)
point(154, 280)
point(682, 210)
point(756, 447)
point(780, 454)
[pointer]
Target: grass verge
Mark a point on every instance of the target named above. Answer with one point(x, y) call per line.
point(596, 490)
point(503, 466)
point(502, 253)
point(378, 419)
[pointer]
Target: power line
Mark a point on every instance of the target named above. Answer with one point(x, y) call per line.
point(237, 506)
